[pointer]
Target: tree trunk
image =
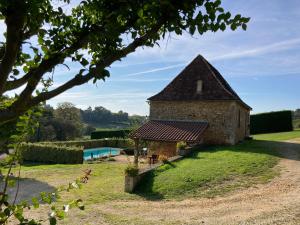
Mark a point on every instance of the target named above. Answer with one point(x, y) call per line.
point(136, 152)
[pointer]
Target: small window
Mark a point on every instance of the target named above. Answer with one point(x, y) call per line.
point(199, 86)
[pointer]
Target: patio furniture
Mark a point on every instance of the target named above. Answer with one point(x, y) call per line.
point(153, 159)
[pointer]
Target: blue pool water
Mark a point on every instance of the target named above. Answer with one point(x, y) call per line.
point(100, 152)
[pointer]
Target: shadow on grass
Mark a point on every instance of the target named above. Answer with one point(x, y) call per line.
point(28, 189)
point(279, 149)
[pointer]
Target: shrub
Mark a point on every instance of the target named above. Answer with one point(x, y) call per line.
point(131, 170)
point(279, 121)
point(51, 153)
point(110, 134)
point(117, 143)
point(181, 145)
point(163, 158)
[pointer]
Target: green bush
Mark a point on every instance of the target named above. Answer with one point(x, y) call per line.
point(131, 170)
point(181, 145)
point(271, 122)
point(110, 134)
point(117, 143)
point(51, 153)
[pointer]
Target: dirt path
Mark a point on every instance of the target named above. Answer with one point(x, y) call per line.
point(277, 202)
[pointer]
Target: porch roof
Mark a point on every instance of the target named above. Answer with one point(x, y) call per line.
point(163, 130)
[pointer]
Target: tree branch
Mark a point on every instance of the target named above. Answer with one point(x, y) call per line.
point(14, 21)
point(78, 80)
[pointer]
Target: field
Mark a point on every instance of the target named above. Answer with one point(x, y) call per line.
point(208, 173)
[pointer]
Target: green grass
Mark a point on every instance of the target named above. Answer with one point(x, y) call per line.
point(213, 171)
point(207, 173)
point(106, 182)
point(278, 136)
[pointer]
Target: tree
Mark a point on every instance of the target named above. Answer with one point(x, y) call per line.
point(95, 33)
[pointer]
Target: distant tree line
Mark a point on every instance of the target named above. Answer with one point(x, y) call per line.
point(67, 122)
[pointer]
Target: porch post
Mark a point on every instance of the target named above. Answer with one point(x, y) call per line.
point(136, 152)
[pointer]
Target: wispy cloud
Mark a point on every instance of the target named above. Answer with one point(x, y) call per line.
point(275, 47)
point(139, 80)
point(156, 69)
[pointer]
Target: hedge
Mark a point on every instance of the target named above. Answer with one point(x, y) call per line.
point(271, 122)
point(117, 143)
point(110, 134)
point(51, 153)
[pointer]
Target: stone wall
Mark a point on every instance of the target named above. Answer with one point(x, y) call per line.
point(243, 127)
point(167, 149)
point(222, 117)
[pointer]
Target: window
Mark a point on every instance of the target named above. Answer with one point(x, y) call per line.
point(199, 86)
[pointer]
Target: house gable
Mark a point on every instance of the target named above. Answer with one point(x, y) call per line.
point(185, 87)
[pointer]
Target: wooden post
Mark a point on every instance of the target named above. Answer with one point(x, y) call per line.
point(136, 152)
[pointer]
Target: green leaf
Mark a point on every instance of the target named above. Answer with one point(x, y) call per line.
point(52, 221)
point(60, 214)
point(84, 62)
point(16, 72)
point(244, 26)
point(141, 13)
point(233, 26)
point(222, 26)
point(35, 203)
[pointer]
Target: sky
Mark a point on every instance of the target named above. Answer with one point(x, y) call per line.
point(261, 64)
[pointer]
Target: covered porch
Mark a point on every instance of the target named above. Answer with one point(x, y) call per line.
point(161, 137)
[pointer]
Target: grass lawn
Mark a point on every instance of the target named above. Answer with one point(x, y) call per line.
point(213, 171)
point(278, 136)
point(207, 173)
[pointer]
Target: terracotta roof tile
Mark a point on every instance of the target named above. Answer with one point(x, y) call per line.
point(162, 130)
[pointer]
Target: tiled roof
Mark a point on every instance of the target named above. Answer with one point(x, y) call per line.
point(184, 86)
point(162, 130)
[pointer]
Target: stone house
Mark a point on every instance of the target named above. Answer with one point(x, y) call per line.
point(197, 106)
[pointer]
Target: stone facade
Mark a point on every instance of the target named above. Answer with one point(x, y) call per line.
point(228, 119)
point(166, 149)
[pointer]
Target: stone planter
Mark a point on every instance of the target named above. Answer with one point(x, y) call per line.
point(131, 182)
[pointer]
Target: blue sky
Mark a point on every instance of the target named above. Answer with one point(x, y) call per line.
point(262, 64)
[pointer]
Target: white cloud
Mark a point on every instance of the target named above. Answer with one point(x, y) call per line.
point(156, 69)
point(274, 47)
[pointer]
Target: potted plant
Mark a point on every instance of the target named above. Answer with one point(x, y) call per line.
point(131, 177)
point(181, 146)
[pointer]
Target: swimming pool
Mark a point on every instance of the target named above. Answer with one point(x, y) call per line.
point(100, 152)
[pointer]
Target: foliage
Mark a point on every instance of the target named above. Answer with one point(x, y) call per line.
point(271, 122)
point(88, 129)
point(131, 170)
point(93, 33)
point(181, 145)
point(63, 123)
point(110, 134)
point(51, 153)
point(9, 207)
point(67, 114)
point(102, 116)
point(118, 143)
point(163, 159)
